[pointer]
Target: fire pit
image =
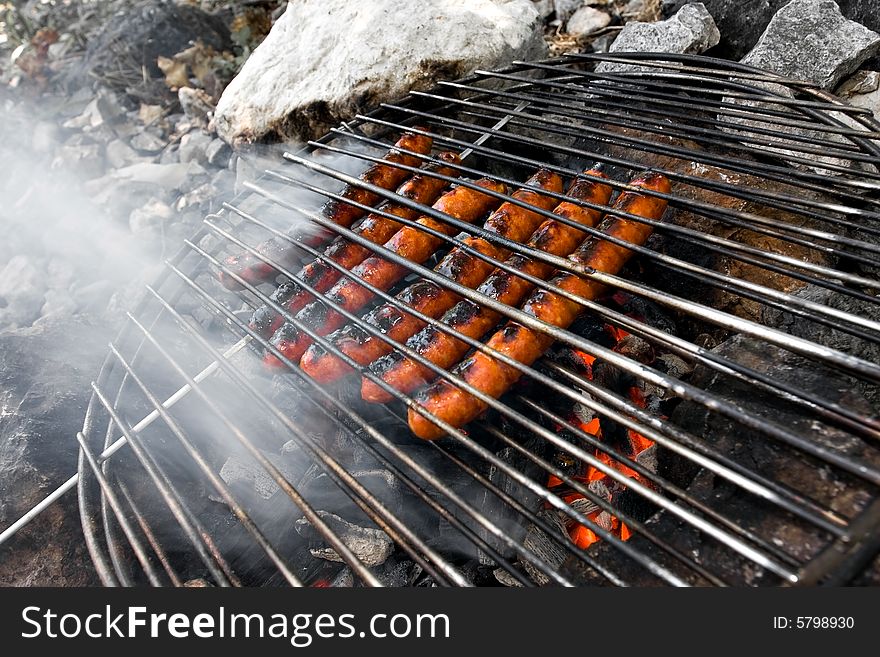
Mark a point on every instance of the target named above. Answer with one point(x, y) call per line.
point(710, 418)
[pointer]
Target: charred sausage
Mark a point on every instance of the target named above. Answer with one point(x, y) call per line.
point(382, 174)
point(510, 220)
point(445, 401)
point(415, 245)
point(462, 203)
point(421, 188)
point(424, 295)
point(473, 320)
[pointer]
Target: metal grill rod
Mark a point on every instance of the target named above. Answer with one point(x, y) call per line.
point(801, 144)
point(155, 545)
point(854, 420)
point(674, 200)
point(205, 547)
point(670, 61)
point(475, 343)
point(642, 84)
point(682, 389)
point(71, 482)
point(690, 269)
point(372, 506)
point(715, 211)
point(443, 281)
point(321, 340)
point(702, 273)
point(364, 425)
point(505, 410)
point(216, 482)
point(109, 450)
point(706, 313)
point(318, 339)
point(737, 218)
point(110, 495)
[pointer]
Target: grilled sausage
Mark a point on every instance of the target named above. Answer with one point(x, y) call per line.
point(462, 203)
point(510, 220)
point(474, 320)
point(421, 188)
point(426, 296)
point(382, 174)
point(449, 403)
point(417, 246)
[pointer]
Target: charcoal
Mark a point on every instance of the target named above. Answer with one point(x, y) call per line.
point(503, 514)
point(246, 470)
point(583, 506)
point(399, 572)
point(371, 546)
point(345, 579)
point(505, 577)
point(771, 459)
point(831, 337)
point(546, 548)
point(322, 492)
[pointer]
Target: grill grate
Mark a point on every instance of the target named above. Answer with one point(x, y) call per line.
point(797, 172)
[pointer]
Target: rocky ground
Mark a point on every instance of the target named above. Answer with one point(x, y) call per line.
point(123, 132)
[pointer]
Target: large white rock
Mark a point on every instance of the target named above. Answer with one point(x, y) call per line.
point(325, 60)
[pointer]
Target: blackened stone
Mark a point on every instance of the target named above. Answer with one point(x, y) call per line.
point(44, 389)
point(134, 38)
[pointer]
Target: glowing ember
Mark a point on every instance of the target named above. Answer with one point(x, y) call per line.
point(580, 534)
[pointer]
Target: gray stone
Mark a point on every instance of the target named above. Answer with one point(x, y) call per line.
point(59, 303)
point(197, 105)
point(199, 198)
point(171, 155)
point(120, 154)
point(742, 22)
point(565, 8)
point(193, 147)
point(218, 153)
point(811, 40)
point(45, 137)
point(544, 8)
point(358, 54)
point(166, 176)
point(690, 30)
point(863, 90)
point(60, 273)
point(94, 296)
point(22, 286)
point(603, 43)
point(148, 142)
point(44, 387)
point(149, 217)
point(84, 160)
point(587, 20)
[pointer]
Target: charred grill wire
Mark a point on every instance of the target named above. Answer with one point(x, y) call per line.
point(769, 243)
